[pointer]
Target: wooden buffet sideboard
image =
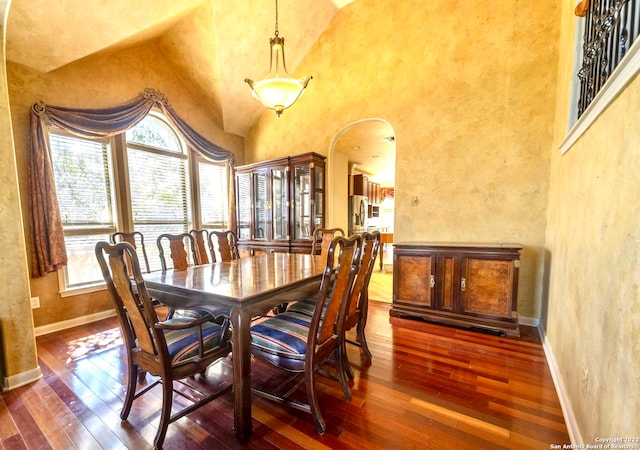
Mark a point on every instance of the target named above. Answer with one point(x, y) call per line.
point(467, 285)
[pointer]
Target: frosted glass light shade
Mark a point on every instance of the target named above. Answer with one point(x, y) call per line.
point(279, 93)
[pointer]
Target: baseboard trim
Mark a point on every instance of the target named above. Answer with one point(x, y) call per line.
point(529, 321)
point(21, 379)
point(565, 403)
point(65, 324)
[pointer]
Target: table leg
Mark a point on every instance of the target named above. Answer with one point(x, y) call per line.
point(241, 340)
point(381, 251)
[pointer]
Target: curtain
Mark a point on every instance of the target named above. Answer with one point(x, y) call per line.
point(48, 252)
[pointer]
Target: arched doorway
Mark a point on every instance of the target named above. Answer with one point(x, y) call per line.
point(368, 147)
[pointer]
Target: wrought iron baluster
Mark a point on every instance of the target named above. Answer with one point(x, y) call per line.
point(611, 28)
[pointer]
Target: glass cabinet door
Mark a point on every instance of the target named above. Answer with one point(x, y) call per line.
point(260, 205)
point(318, 204)
point(302, 226)
point(243, 193)
point(279, 203)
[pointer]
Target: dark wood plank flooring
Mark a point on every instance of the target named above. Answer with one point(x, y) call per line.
point(429, 387)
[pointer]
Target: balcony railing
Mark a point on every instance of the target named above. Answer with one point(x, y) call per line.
point(611, 28)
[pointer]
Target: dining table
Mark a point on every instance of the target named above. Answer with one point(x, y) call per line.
point(240, 289)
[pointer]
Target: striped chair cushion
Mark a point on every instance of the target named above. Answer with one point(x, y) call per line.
point(306, 306)
point(191, 314)
point(285, 333)
point(183, 344)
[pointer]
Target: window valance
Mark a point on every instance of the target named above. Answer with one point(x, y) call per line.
point(48, 247)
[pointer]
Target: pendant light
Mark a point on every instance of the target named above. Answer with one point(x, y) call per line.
point(278, 90)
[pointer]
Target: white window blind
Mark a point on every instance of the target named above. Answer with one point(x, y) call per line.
point(214, 198)
point(84, 186)
point(159, 183)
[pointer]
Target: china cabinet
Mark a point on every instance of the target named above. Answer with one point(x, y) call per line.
point(469, 285)
point(279, 203)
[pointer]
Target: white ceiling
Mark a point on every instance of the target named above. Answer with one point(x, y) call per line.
point(215, 44)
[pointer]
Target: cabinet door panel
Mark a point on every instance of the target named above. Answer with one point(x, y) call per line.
point(280, 204)
point(260, 209)
point(244, 205)
point(413, 280)
point(302, 202)
point(487, 286)
point(448, 264)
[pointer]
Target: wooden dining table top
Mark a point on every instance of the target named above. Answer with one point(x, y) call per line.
point(242, 281)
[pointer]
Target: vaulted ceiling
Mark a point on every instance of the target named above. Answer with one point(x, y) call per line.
point(214, 44)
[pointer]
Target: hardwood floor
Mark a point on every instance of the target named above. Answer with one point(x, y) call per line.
point(428, 387)
point(381, 285)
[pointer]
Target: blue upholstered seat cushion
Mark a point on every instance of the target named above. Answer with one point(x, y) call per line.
point(183, 344)
point(192, 313)
point(306, 306)
point(285, 333)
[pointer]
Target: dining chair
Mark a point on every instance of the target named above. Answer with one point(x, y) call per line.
point(223, 245)
point(200, 242)
point(182, 254)
point(182, 250)
point(358, 305)
point(175, 351)
point(301, 344)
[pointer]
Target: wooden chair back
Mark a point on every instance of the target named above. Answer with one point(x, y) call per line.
point(356, 311)
point(321, 239)
point(201, 241)
point(136, 239)
point(370, 246)
point(335, 290)
point(223, 245)
point(133, 306)
point(181, 250)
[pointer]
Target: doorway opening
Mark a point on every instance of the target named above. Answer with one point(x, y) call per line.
point(361, 166)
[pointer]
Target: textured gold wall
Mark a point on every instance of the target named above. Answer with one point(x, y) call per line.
point(18, 354)
point(593, 244)
point(96, 82)
point(470, 94)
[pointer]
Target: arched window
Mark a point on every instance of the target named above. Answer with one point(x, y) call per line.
point(159, 182)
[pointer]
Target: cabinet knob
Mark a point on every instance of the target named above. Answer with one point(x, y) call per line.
point(463, 284)
point(433, 281)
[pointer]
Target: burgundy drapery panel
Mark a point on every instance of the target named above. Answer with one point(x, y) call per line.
point(48, 249)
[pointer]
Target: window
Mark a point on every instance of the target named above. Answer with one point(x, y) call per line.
point(214, 195)
point(158, 168)
point(157, 192)
point(83, 175)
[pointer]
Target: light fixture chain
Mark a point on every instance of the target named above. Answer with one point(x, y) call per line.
point(276, 18)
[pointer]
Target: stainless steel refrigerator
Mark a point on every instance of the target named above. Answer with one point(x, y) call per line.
point(357, 214)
